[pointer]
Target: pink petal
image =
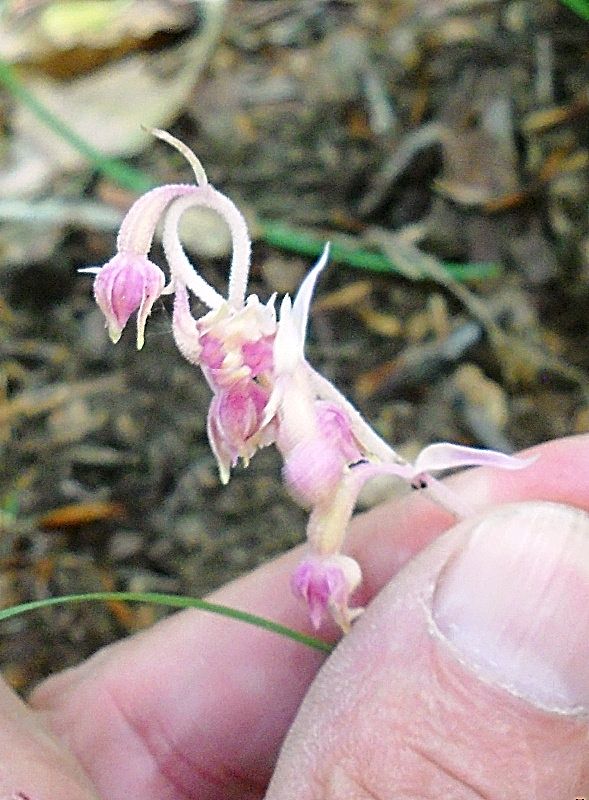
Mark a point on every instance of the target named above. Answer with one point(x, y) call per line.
point(240, 411)
point(212, 353)
point(258, 355)
point(287, 348)
point(224, 457)
point(449, 456)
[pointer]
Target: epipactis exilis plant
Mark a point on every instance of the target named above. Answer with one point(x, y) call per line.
point(264, 390)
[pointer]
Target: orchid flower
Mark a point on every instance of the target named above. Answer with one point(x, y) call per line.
point(264, 390)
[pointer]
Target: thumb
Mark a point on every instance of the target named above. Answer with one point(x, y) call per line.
point(468, 677)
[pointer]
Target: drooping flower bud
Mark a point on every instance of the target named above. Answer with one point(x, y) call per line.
point(127, 283)
point(325, 584)
point(234, 424)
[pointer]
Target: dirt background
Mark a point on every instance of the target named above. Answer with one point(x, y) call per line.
point(437, 133)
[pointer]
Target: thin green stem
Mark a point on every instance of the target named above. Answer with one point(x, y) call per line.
point(285, 237)
point(172, 601)
point(125, 176)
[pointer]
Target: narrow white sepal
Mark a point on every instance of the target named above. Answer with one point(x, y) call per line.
point(302, 302)
point(272, 406)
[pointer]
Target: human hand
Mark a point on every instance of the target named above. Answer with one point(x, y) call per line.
point(441, 690)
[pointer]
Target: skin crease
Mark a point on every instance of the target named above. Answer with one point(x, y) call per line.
point(198, 706)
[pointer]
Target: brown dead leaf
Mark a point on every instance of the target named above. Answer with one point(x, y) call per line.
point(77, 514)
point(348, 296)
point(106, 107)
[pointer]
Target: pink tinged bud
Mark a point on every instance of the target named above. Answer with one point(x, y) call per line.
point(336, 428)
point(326, 585)
point(234, 424)
point(212, 353)
point(312, 471)
point(127, 283)
point(184, 327)
point(258, 355)
point(240, 411)
point(314, 466)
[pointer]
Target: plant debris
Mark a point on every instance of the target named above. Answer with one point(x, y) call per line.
point(425, 134)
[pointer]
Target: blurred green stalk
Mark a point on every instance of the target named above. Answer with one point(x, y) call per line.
point(173, 601)
point(125, 176)
point(580, 7)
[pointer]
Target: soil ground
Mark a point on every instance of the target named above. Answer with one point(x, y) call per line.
point(449, 132)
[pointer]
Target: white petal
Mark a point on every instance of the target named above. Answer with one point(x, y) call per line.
point(449, 456)
point(302, 303)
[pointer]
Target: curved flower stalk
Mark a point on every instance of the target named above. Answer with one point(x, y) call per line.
point(264, 391)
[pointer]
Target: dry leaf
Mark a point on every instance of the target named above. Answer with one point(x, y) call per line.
point(106, 108)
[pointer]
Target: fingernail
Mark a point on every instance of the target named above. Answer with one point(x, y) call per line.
point(514, 603)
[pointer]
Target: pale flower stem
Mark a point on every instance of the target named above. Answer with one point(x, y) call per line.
point(360, 428)
point(181, 268)
point(328, 522)
point(447, 498)
point(199, 171)
point(138, 228)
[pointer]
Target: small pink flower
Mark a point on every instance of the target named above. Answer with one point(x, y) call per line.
point(325, 584)
point(127, 283)
point(315, 465)
point(234, 424)
point(312, 471)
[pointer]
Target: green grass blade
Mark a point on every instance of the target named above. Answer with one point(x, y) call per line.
point(125, 176)
point(172, 601)
point(286, 238)
point(580, 7)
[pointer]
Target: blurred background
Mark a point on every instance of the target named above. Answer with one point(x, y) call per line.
point(441, 145)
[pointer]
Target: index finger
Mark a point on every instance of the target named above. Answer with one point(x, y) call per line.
point(198, 705)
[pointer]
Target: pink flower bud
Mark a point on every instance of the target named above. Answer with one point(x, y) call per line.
point(240, 410)
point(127, 283)
point(325, 585)
point(315, 465)
point(312, 471)
point(235, 424)
point(258, 355)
